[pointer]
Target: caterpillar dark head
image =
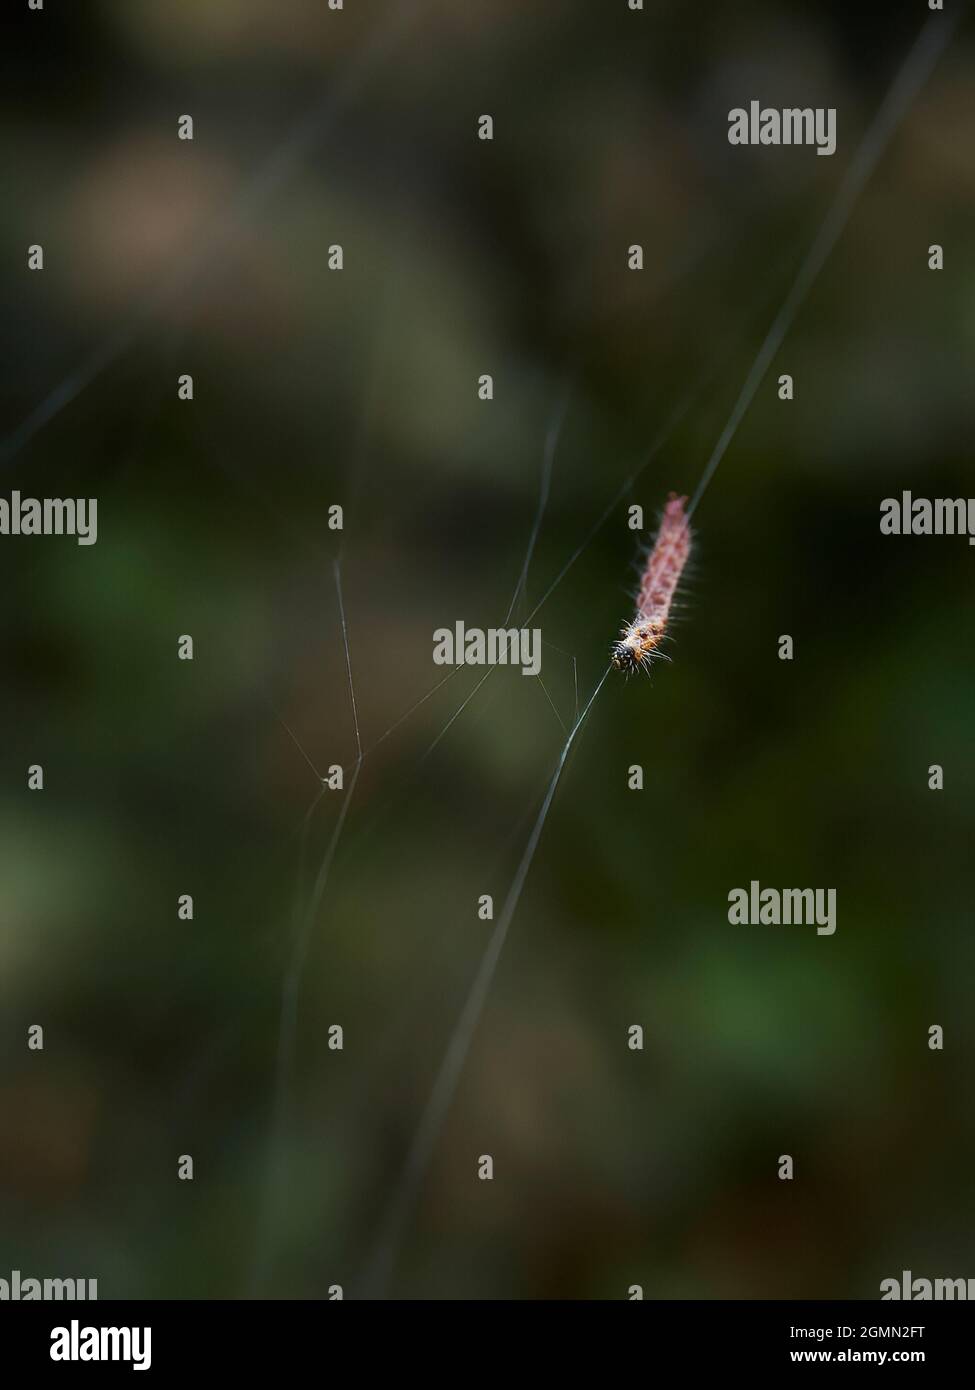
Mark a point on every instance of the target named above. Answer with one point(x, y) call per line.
point(624, 657)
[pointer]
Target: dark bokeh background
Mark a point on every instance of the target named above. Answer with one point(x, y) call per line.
point(312, 388)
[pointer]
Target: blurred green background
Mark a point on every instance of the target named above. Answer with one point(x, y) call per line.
point(162, 777)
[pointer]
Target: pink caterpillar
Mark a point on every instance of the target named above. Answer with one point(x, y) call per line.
point(665, 563)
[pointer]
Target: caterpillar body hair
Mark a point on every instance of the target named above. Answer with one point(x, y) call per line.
point(640, 639)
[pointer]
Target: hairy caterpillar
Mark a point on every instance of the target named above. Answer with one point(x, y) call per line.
point(640, 638)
